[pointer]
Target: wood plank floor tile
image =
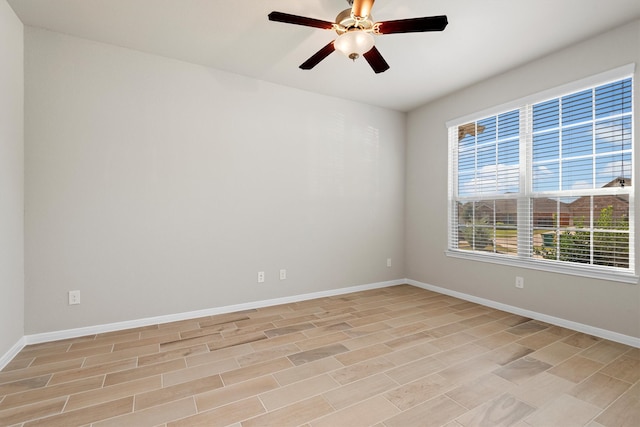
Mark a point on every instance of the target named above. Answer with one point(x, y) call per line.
point(297, 391)
point(475, 393)
point(322, 340)
point(487, 329)
point(400, 357)
point(507, 353)
point(522, 369)
point(317, 353)
point(236, 340)
point(604, 351)
point(566, 411)
point(36, 371)
point(107, 339)
point(105, 394)
point(235, 392)
point(307, 370)
point(624, 412)
point(459, 354)
point(70, 355)
point(454, 340)
point(267, 354)
point(221, 354)
point(527, 328)
point(416, 369)
point(153, 416)
point(409, 340)
point(144, 371)
point(576, 369)
point(183, 343)
point(159, 339)
point(363, 389)
point(367, 340)
point(32, 351)
point(362, 414)
point(199, 371)
point(35, 410)
point(417, 392)
point(45, 393)
point(432, 413)
point(581, 340)
point(469, 370)
point(555, 353)
point(541, 389)
point(258, 369)
point(225, 415)
point(361, 331)
point(538, 340)
point(277, 341)
point(17, 364)
point(633, 353)
point(600, 390)
point(92, 371)
point(223, 319)
point(361, 370)
point(87, 415)
point(24, 385)
point(163, 356)
point(624, 368)
point(364, 353)
point(294, 319)
point(115, 356)
point(292, 415)
point(176, 392)
point(328, 326)
point(504, 410)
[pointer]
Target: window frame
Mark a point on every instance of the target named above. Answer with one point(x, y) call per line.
point(524, 257)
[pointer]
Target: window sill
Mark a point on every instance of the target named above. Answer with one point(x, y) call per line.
point(577, 270)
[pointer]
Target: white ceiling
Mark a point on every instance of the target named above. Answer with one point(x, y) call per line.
point(484, 38)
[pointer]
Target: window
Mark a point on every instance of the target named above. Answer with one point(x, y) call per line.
point(548, 182)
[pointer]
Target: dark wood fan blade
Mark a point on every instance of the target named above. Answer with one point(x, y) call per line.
point(287, 18)
point(376, 60)
point(362, 8)
point(317, 57)
point(414, 25)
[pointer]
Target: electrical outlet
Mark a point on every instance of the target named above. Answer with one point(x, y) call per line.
point(260, 276)
point(283, 274)
point(388, 262)
point(74, 297)
point(519, 282)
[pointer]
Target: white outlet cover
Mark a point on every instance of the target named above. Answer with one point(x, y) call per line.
point(74, 297)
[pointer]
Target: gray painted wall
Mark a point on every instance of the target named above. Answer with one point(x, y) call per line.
point(11, 180)
point(603, 304)
point(157, 187)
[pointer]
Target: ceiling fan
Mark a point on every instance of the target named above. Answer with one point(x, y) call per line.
point(355, 28)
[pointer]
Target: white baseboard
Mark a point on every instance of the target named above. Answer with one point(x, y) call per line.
point(109, 327)
point(98, 329)
point(580, 327)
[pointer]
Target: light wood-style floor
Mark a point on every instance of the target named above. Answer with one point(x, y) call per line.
point(398, 356)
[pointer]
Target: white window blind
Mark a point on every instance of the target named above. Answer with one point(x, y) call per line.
point(548, 183)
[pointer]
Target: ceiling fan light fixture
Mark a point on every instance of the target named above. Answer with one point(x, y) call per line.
point(354, 43)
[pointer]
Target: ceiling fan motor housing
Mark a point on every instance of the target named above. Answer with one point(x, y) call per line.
point(345, 21)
